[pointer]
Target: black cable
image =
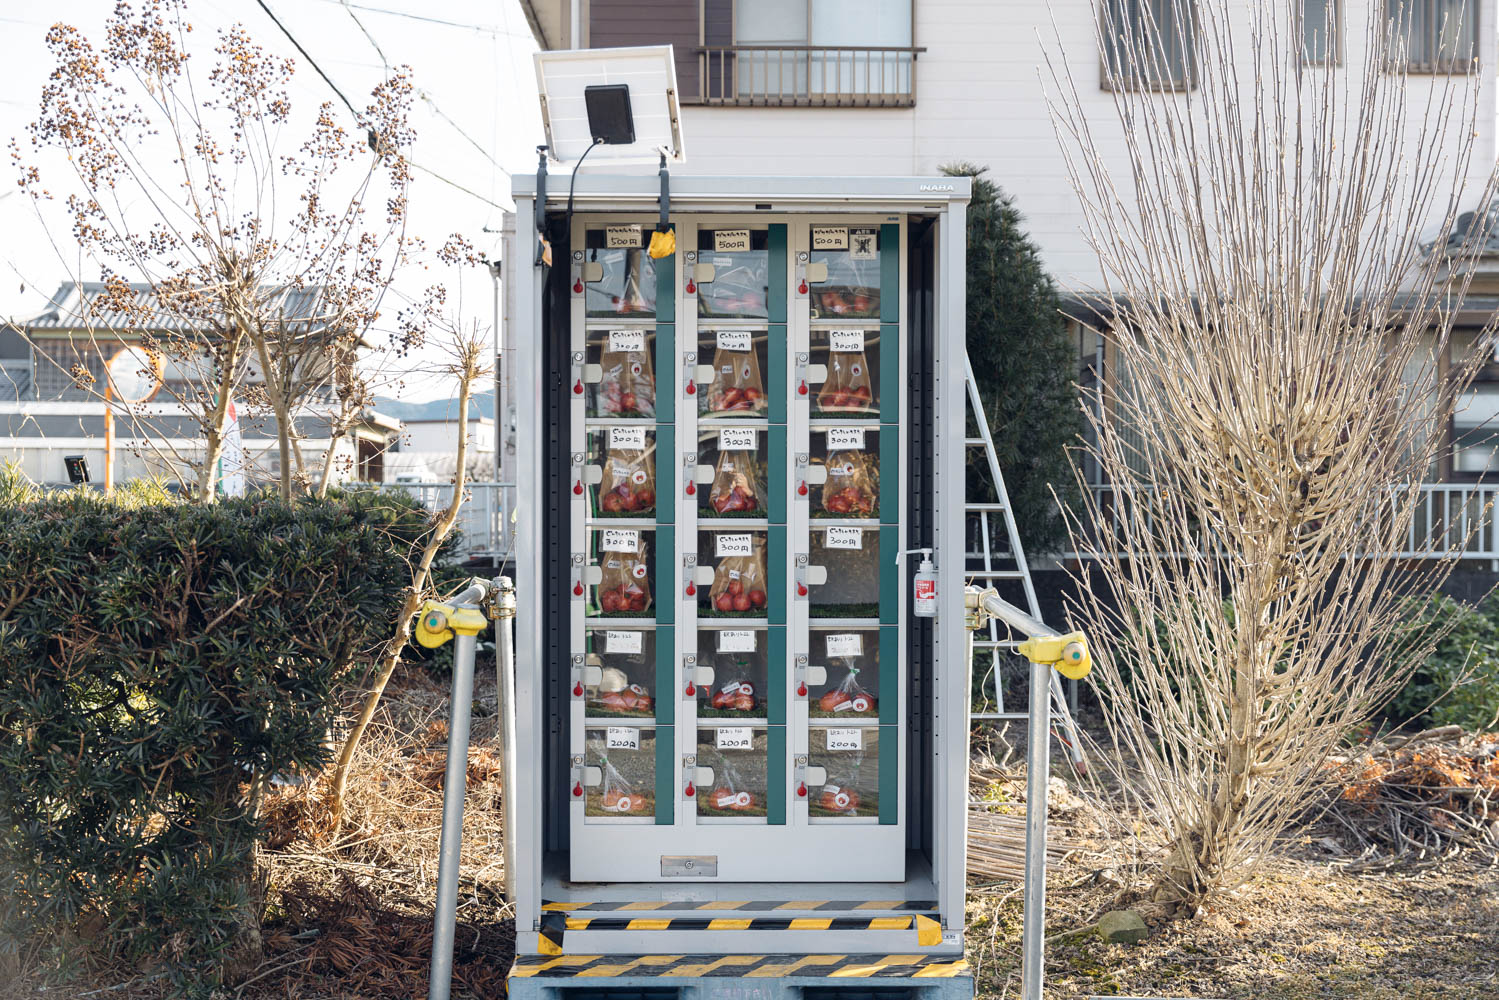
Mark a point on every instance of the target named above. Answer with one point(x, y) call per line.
point(310, 62)
point(574, 182)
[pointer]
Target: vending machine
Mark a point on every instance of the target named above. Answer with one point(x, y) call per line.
point(741, 752)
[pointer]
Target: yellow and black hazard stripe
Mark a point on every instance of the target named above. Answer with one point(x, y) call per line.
point(747, 905)
point(741, 966)
point(554, 925)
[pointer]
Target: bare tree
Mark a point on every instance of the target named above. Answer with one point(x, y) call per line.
point(264, 269)
point(1278, 397)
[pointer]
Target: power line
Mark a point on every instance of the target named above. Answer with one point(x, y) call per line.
point(488, 29)
point(310, 61)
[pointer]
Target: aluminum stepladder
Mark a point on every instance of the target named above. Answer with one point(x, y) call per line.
point(981, 566)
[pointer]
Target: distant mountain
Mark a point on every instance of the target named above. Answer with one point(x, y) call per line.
point(481, 404)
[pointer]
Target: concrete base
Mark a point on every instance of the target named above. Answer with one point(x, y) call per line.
point(741, 977)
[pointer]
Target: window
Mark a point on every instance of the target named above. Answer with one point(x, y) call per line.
point(815, 52)
point(1433, 36)
point(1321, 32)
point(1148, 44)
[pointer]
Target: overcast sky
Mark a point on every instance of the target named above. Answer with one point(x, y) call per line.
point(477, 116)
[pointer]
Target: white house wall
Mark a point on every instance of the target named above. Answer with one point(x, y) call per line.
point(981, 95)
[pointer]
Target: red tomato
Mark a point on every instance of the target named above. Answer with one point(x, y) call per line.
point(628, 402)
point(741, 603)
point(609, 600)
point(757, 598)
point(725, 602)
point(646, 498)
point(613, 503)
point(736, 587)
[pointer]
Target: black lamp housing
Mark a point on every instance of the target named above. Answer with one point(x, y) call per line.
point(609, 118)
point(77, 468)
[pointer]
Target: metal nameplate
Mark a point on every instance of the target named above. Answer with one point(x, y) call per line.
point(689, 866)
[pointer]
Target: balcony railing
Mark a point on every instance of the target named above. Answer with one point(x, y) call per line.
point(810, 76)
point(1451, 520)
point(484, 519)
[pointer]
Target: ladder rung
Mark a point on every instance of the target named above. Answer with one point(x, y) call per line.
point(974, 442)
point(995, 574)
point(995, 643)
point(974, 508)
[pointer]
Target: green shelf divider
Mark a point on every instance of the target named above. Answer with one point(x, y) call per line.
point(890, 273)
point(776, 569)
point(666, 497)
point(666, 288)
point(890, 689)
point(775, 777)
point(664, 592)
point(666, 365)
point(775, 359)
point(775, 684)
point(889, 582)
point(666, 782)
point(777, 475)
point(889, 775)
point(776, 298)
point(890, 477)
point(890, 375)
point(666, 677)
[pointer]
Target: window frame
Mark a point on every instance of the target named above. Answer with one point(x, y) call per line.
point(1435, 67)
point(1335, 49)
point(1107, 81)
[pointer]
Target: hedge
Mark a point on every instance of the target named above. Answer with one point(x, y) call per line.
point(159, 663)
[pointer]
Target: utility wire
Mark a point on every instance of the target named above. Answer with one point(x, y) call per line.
point(488, 29)
point(334, 87)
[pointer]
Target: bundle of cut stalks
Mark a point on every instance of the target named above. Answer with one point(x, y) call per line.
point(996, 845)
point(1417, 800)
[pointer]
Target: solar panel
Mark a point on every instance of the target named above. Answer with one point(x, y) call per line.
point(650, 74)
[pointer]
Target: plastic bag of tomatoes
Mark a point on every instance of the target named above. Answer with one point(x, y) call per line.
point(618, 795)
point(628, 488)
point(738, 485)
point(739, 585)
point(848, 388)
point(625, 588)
point(737, 388)
point(849, 697)
point(629, 385)
point(853, 485)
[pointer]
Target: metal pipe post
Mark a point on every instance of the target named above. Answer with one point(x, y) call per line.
point(1037, 771)
point(455, 786)
point(505, 690)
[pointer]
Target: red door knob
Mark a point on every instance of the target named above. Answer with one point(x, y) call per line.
point(692, 590)
point(801, 390)
point(801, 790)
point(578, 690)
point(691, 288)
point(578, 388)
point(691, 489)
point(801, 489)
point(578, 287)
point(578, 589)
point(690, 791)
point(578, 488)
point(691, 388)
point(578, 790)
point(691, 690)
point(801, 690)
point(801, 590)
point(802, 288)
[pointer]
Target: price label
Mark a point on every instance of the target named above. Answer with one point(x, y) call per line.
point(621, 540)
point(627, 341)
point(846, 644)
point(733, 340)
point(731, 240)
point(736, 439)
point(633, 438)
point(863, 244)
point(625, 738)
point(841, 538)
point(733, 545)
point(845, 739)
point(621, 237)
point(843, 439)
point(845, 341)
point(829, 237)
point(631, 642)
point(734, 738)
point(736, 640)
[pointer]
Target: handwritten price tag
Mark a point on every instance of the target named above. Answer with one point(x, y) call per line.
point(621, 540)
point(845, 341)
point(841, 538)
point(736, 439)
point(731, 240)
point(625, 643)
point(624, 738)
point(845, 739)
point(734, 738)
point(621, 237)
point(736, 641)
point(733, 545)
point(633, 438)
point(845, 439)
point(733, 340)
point(846, 644)
point(627, 341)
point(829, 237)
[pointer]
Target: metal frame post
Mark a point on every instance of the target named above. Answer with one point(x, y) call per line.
point(1037, 773)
